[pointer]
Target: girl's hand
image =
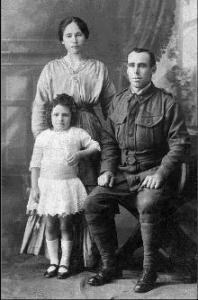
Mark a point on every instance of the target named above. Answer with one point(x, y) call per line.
point(35, 193)
point(73, 158)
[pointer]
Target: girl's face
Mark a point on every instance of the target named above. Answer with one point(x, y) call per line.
point(61, 117)
point(73, 38)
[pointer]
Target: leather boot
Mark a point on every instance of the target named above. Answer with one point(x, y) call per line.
point(109, 269)
point(105, 275)
point(147, 281)
point(104, 235)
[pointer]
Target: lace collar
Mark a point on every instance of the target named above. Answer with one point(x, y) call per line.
point(81, 66)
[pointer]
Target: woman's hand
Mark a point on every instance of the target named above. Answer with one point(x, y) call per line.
point(152, 181)
point(35, 193)
point(73, 159)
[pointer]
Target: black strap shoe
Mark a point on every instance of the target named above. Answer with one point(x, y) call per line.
point(53, 273)
point(146, 282)
point(105, 276)
point(63, 275)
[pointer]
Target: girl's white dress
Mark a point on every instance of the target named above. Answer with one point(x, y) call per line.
point(61, 191)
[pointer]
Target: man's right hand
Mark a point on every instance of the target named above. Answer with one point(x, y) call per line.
point(106, 179)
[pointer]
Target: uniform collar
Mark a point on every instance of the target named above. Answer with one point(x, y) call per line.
point(142, 91)
point(145, 93)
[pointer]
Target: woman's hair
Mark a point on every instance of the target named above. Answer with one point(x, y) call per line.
point(81, 24)
point(64, 100)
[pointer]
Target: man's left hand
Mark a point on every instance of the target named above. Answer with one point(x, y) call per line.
point(152, 181)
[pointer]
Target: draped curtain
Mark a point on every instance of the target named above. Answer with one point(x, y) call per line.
point(123, 25)
point(118, 26)
point(148, 24)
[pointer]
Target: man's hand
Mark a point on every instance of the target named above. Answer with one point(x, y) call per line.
point(106, 179)
point(35, 193)
point(152, 181)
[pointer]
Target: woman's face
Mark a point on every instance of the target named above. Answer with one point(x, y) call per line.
point(73, 38)
point(61, 117)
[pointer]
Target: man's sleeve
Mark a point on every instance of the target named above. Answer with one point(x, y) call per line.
point(178, 140)
point(110, 155)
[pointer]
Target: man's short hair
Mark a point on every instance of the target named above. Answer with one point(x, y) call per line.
point(151, 54)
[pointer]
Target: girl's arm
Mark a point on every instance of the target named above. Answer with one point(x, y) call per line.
point(35, 172)
point(86, 152)
point(88, 145)
point(74, 158)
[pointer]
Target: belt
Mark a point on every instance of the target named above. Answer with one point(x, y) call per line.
point(128, 157)
point(140, 161)
point(85, 109)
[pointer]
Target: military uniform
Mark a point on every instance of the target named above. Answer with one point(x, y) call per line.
point(145, 134)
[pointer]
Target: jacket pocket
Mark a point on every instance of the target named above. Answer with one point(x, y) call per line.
point(118, 118)
point(119, 121)
point(149, 132)
point(148, 121)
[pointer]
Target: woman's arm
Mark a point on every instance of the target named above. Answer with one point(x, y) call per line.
point(108, 92)
point(42, 99)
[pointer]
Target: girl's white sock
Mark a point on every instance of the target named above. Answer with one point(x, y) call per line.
point(66, 247)
point(52, 247)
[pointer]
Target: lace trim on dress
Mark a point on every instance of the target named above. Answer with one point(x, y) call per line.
point(80, 67)
point(63, 214)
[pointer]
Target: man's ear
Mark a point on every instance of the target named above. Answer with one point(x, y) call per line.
point(154, 68)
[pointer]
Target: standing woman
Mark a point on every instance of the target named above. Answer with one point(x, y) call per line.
point(87, 81)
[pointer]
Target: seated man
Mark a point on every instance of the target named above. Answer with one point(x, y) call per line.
point(142, 146)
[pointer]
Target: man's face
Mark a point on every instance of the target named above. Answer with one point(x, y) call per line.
point(139, 69)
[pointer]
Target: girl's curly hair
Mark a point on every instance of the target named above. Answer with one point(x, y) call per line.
point(64, 100)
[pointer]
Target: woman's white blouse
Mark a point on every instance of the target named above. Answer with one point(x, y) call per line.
point(89, 86)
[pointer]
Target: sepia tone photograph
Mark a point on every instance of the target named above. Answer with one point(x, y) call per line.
point(99, 149)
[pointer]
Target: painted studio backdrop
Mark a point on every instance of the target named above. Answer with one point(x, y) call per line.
point(29, 41)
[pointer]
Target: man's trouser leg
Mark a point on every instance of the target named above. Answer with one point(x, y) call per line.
point(100, 218)
point(103, 231)
point(150, 204)
point(99, 213)
point(150, 237)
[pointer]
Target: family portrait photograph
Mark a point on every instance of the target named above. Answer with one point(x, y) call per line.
point(99, 149)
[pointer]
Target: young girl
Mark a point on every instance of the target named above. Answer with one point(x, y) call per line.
point(56, 190)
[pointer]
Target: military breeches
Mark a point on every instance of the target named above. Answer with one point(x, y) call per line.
point(148, 204)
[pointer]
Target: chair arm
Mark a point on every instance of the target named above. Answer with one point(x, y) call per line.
point(183, 178)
